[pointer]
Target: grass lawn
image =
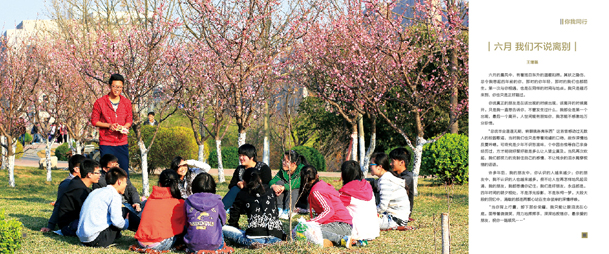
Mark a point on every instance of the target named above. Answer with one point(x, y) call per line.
point(29, 203)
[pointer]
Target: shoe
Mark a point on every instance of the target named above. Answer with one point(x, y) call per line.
point(284, 215)
point(359, 243)
point(328, 243)
point(405, 228)
point(346, 242)
point(302, 210)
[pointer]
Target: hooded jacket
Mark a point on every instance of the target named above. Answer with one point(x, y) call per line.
point(282, 177)
point(206, 216)
point(325, 205)
point(359, 200)
point(72, 201)
point(164, 216)
point(261, 210)
point(394, 199)
point(103, 112)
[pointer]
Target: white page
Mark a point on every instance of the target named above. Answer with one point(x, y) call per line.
point(539, 21)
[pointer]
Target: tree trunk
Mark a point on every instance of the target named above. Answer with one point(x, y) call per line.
point(11, 164)
point(454, 96)
point(3, 152)
point(354, 143)
point(220, 168)
point(242, 134)
point(362, 142)
point(369, 154)
point(267, 150)
point(144, 157)
point(78, 148)
point(48, 158)
point(418, 155)
point(202, 152)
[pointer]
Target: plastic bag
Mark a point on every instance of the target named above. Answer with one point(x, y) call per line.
point(310, 231)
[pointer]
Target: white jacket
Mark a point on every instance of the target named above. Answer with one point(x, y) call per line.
point(394, 199)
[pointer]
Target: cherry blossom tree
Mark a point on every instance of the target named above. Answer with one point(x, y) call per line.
point(247, 39)
point(19, 76)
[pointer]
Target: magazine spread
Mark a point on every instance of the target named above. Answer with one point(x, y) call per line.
point(537, 136)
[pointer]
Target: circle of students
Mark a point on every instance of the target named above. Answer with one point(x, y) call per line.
point(97, 201)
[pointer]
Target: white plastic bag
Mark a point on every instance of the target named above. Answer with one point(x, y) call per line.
point(311, 231)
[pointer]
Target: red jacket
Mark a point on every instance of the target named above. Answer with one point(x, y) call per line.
point(324, 202)
point(163, 217)
point(103, 112)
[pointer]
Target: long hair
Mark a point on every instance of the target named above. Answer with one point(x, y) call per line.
point(382, 159)
point(254, 183)
point(350, 171)
point(175, 163)
point(170, 178)
point(307, 174)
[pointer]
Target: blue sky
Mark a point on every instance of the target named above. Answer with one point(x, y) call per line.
point(12, 12)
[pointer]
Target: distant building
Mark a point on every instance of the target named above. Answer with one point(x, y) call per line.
point(26, 29)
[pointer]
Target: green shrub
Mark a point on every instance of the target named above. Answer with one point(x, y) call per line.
point(28, 138)
point(169, 142)
point(10, 234)
point(18, 151)
point(61, 151)
point(230, 157)
point(447, 158)
point(314, 157)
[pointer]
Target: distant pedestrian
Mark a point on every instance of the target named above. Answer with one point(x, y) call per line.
point(151, 120)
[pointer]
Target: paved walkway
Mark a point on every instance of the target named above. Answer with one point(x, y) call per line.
point(31, 159)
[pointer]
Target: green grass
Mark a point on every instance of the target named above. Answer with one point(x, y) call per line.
point(29, 203)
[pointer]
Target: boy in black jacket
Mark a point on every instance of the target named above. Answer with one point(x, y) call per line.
point(131, 198)
point(72, 200)
point(74, 167)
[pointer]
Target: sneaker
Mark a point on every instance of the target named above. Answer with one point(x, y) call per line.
point(284, 215)
point(302, 210)
point(328, 243)
point(346, 242)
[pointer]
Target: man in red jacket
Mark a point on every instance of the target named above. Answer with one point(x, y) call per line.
point(113, 116)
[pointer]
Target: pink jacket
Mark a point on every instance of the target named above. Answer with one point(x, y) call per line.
point(103, 112)
point(359, 200)
point(325, 205)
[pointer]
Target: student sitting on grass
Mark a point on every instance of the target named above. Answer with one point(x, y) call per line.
point(326, 209)
point(206, 216)
point(247, 160)
point(72, 200)
point(400, 157)
point(285, 189)
point(131, 198)
point(187, 174)
point(102, 217)
point(257, 200)
point(393, 207)
point(356, 194)
point(74, 167)
point(164, 218)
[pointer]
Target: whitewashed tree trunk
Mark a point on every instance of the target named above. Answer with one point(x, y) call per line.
point(70, 146)
point(354, 146)
point(144, 157)
point(369, 154)
point(220, 168)
point(242, 138)
point(202, 152)
point(362, 142)
point(418, 155)
point(47, 155)
point(267, 150)
point(445, 234)
point(4, 152)
point(78, 148)
point(11, 166)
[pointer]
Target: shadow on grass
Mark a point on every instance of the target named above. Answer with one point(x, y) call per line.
point(32, 223)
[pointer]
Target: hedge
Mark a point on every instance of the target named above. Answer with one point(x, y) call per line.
point(10, 234)
point(169, 143)
point(447, 158)
point(314, 157)
point(61, 151)
point(230, 157)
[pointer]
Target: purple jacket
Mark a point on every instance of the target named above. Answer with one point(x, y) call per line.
point(206, 216)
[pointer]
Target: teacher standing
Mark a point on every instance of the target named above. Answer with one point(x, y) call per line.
point(112, 115)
